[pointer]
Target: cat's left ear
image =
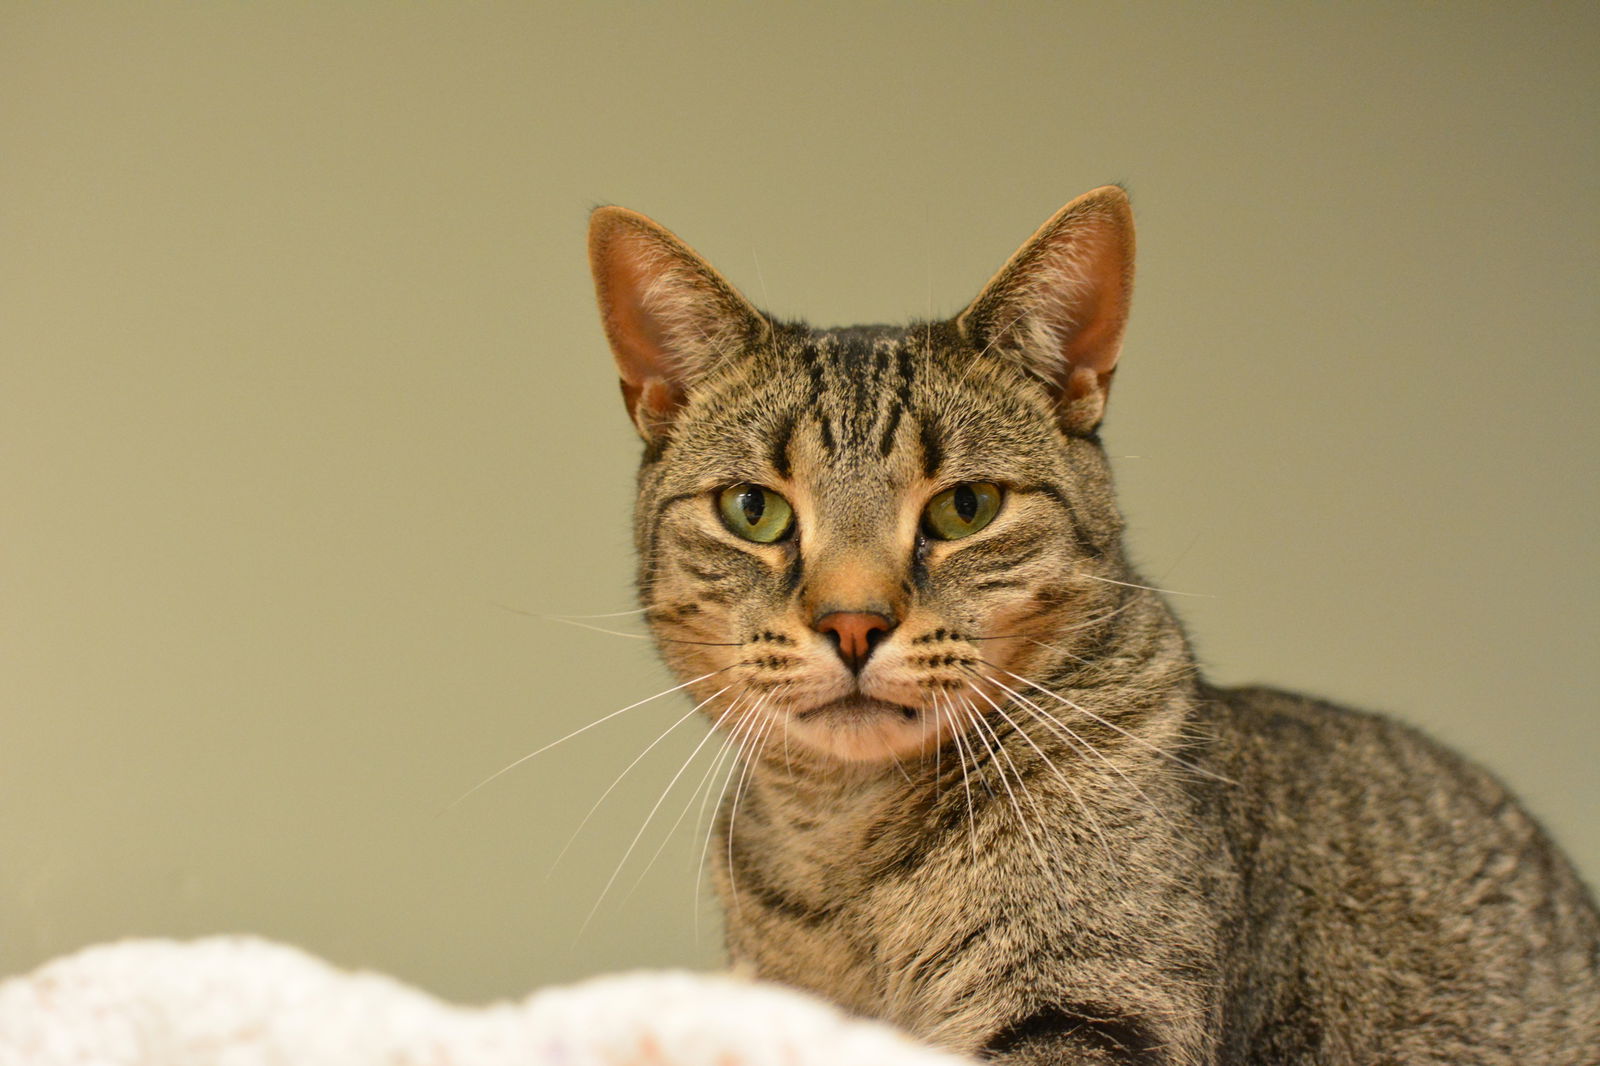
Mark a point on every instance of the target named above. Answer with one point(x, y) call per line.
point(1060, 303)
point(668, 314)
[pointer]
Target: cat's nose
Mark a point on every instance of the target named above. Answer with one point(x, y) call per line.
point(854, 634)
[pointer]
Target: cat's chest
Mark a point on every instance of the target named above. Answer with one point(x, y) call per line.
point(869, 905)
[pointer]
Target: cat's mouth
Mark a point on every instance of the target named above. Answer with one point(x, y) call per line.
point(856, 709)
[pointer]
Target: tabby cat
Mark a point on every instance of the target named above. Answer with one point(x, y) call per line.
point(985, 794)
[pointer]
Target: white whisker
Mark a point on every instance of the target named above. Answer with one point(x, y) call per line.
point(625, 770)
point(592, 628)
point(966, 784)
point(1068, 734)
point(636, 837)
point(1112, 725)
point(999, 746)
point(1087, 809)
point(1147, 588)
point(608, 614)
point(581, 729)
point(673, 828)
point(996, 751)
point(702, 828)
point(749, 759)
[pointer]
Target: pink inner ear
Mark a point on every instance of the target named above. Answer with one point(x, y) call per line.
point(1086, 273)
point(637, 338)
point(1061, 302)
point(667, 313)
point(650, 404)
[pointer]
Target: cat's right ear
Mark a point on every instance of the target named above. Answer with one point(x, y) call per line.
point(668, 315)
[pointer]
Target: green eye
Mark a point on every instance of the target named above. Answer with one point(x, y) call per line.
point(755, 513)
point(962, 510)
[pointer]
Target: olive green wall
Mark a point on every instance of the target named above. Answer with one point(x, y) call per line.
point(301, 387)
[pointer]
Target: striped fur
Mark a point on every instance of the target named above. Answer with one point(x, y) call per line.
point(1028, 828)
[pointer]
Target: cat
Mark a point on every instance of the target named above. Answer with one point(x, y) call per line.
point(985, 795)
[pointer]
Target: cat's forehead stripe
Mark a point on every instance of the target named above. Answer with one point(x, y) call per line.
point(861, 388)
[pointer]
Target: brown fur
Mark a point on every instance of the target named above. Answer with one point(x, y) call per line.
point(1027, 828)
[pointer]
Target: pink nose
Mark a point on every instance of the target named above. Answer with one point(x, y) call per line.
point(854, 634)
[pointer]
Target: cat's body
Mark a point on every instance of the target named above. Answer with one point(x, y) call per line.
point(986, 795)
point(1263, 922)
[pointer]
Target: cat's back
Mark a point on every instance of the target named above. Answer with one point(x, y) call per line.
point(1393, 887)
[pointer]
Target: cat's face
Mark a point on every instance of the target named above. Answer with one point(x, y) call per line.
point(854, 542)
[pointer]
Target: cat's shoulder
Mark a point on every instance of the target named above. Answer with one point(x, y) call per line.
point(1308, 735)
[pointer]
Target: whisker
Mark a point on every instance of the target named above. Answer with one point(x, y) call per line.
point(625, 771)
point(743, 733)
point(966, 784)
point(1092, 620)
point(572, 620)
point(1088, 812)
point(1060, 651)
point(995, 752)
point(581, 729)
point(1067, 733)
point(702, 790)
point(1147, 588)
point(636, 836)
point(1078, 741)
point(639, 636)
point(788, 766)
point(608, 614)
point(1112, 725)
point(978, 765)
point(766, 297)
point(898, 765)
point(702, 827)
point(673, 828)
point(745, 775)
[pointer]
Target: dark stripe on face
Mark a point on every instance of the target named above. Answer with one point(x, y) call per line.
point(791, 576)
point(708, 576)
point(655, 517)
point(828, 444)
point(652, 560)
point(782, 434)
point(932, 448)
point(814, 370)
point(1080, 534)
point(1003, 552)
point(886, 444)
point(708, 549)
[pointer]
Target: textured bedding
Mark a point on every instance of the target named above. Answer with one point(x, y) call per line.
point(241, 1001)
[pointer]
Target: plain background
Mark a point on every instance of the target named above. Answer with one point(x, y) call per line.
point(303, 398)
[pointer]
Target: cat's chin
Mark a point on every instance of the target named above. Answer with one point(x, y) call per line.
point(861, 729)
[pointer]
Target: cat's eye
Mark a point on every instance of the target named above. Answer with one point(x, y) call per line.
point(961, 510)
point(755, 513)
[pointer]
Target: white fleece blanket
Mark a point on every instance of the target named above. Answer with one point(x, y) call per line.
point(240, 1001)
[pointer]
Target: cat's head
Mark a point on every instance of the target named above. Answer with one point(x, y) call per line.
point(859, 540)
